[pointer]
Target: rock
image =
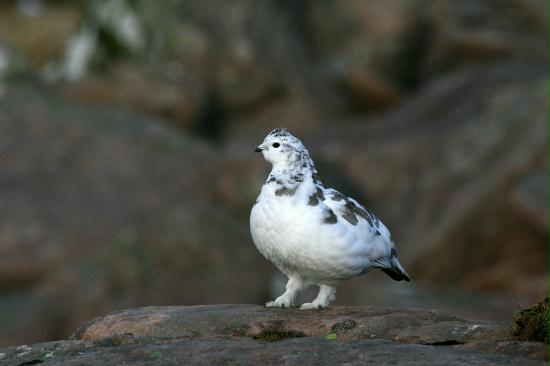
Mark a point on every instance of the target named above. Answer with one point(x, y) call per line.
point(371, 90)
point(12, 63)
point(103, 209)
point(249, 60)
point(243, 334)
point(273, 63)
point(110, 29)
point(366, 47)
point(399, 325)
point(477, 31)
point(172, 94)
point(530, 196)
point(38, 34)
point(536, 350)
point(199, 61)
point(302, 351)
point(440, 169)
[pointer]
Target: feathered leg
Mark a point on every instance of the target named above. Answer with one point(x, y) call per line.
point(325, 296)
point(286, 300)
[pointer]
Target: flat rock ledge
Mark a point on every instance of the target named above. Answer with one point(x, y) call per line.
point(252, 334)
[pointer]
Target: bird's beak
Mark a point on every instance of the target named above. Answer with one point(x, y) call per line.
point(258, 149)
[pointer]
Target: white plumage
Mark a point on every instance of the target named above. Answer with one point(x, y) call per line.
point(313, 234)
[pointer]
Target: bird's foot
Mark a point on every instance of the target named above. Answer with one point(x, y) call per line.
point(326, 295)
point(313, 305)
point(280, 302)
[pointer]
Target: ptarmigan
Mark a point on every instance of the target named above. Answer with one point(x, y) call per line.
point(314, 234)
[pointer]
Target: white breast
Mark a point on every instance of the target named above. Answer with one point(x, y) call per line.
point(294, 237)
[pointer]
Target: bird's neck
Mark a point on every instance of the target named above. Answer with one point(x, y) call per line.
point(287, 178)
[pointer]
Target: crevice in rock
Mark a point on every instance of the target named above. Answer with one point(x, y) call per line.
point(450, 342)
point(212, 118)
point(278, 335)
point(31, 362)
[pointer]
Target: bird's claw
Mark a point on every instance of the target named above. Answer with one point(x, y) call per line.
point(311, 306)
point(278, 304)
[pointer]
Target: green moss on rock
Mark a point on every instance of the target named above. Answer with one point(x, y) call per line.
point(531, 324)
point(278, 335)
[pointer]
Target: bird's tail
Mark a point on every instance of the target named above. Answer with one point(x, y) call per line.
point(393, 268)
point(396, 271)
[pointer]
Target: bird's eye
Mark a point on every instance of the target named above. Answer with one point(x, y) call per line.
point(276, 145)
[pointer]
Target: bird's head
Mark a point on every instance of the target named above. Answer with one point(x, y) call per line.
point(281, 148)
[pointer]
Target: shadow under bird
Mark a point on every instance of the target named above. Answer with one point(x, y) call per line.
point(314, 234)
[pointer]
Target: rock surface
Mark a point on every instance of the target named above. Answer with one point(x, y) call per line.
point(432, 113)
point(251, 334)
point(103, 209)
point(455, 164)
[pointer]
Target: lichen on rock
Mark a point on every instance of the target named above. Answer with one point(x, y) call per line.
point(531, 324)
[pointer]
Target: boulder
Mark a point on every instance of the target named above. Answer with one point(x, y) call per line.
point(479, 31)
point(366, 48)
point(103, 209)
point(12, 64)
point(246, 334)
point(38, 30)
point(442, 172)
point(347, 323)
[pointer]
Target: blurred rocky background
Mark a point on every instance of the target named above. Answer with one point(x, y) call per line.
point(127, 129)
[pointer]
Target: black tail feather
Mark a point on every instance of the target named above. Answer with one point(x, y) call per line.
point(396, 275)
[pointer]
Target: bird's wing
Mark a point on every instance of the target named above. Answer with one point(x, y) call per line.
point(362, 228)
point(368, 228)
point(365, 225)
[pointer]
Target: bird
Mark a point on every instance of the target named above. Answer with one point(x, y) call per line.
point(314, 234)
